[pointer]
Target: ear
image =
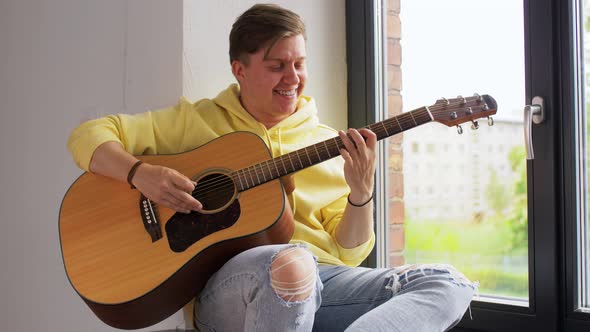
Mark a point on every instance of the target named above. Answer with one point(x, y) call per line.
point(238, 69)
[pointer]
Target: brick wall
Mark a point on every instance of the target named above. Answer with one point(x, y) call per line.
point(395, 162)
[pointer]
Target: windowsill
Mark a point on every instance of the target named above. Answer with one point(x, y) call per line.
point(503, 300)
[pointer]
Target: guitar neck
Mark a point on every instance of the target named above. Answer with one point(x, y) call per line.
point(275, 168)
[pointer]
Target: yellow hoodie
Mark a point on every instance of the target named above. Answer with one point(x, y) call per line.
point(320, 191)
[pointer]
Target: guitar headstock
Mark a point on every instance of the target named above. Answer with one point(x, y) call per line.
point(454, 111)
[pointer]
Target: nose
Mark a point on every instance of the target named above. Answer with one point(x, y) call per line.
point(291, 75)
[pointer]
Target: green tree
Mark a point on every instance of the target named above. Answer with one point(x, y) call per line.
point(497, 195)
point(518, 220)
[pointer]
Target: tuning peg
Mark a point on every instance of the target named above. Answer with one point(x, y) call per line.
point(474, 125)
point(445, 101)
point(463, 101)
point(459, 130)
point(478, 96)
point(490, 121)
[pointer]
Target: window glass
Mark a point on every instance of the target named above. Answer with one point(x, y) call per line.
point(466, 202)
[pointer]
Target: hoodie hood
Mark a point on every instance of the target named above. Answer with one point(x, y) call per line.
point(285, 136)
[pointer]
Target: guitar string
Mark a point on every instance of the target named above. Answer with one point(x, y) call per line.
point(228, 183)
point(333, 143)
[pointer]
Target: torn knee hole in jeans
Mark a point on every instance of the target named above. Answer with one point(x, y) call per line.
point(293, 274)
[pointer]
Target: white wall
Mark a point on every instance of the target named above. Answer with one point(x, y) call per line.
point(62, 62)
point(66, 61)
point(206, 50)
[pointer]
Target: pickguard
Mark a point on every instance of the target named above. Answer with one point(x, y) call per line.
point(183, 230)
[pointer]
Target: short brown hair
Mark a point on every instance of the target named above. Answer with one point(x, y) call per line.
point(260, 26)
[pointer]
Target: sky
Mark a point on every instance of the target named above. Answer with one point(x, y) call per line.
point(462, 47)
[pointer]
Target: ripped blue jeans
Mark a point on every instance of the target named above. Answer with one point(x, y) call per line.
point(241, 296)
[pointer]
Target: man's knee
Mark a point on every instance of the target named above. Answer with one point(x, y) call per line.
point(293, 274)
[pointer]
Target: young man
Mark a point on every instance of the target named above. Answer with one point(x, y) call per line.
point(313, 282)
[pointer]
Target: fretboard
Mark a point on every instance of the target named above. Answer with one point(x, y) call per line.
point(272, 169)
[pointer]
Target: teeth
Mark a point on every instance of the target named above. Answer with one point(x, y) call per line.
point(286, 93)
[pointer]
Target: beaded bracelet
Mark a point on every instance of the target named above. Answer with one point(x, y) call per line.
point(132, 173)
point(359, 205)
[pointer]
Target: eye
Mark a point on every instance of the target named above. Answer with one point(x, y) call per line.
point(277, 67)
point(299, 65)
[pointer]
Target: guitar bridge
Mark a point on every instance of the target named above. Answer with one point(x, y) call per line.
point(150, 218)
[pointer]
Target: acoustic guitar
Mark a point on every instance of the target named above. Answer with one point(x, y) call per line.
point(135, 263)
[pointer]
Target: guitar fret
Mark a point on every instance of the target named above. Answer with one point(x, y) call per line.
point(386, 124)
point(291, 161)
point(262, 171)
point(316, 152)
point(300, 163)
point(327, 150)
point(251, 177)
point(240, 179)
point(339, 144)
point(385, 128)
point(282, 158)
point(399, 125)
point(413, 118)
point(245, 178)
point(256, 172)
point(278, 172)
point(308, 158)
point(269, 170)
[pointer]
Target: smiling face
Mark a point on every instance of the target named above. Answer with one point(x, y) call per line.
point(273, 80)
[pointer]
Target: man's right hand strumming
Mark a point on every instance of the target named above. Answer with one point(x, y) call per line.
point(167, 187)
point(160, 184)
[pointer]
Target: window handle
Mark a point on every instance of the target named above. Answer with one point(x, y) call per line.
point(532, 113)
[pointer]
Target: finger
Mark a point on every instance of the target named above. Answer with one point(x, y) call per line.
point(183, 200)
point(185, 191)
point(171, 202)
point(288, 183)
point(358, 139)
point(183, 183)
point(346, 156)
point(371, 140)
point(190, 201)
point(178, 205)
point(347, 143)
point(186, 200)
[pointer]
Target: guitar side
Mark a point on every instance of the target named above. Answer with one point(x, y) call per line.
point(131, 282)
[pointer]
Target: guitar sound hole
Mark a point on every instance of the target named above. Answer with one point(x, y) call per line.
point(215, 191)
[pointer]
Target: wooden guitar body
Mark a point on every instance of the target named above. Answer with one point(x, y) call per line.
point(134, 271)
